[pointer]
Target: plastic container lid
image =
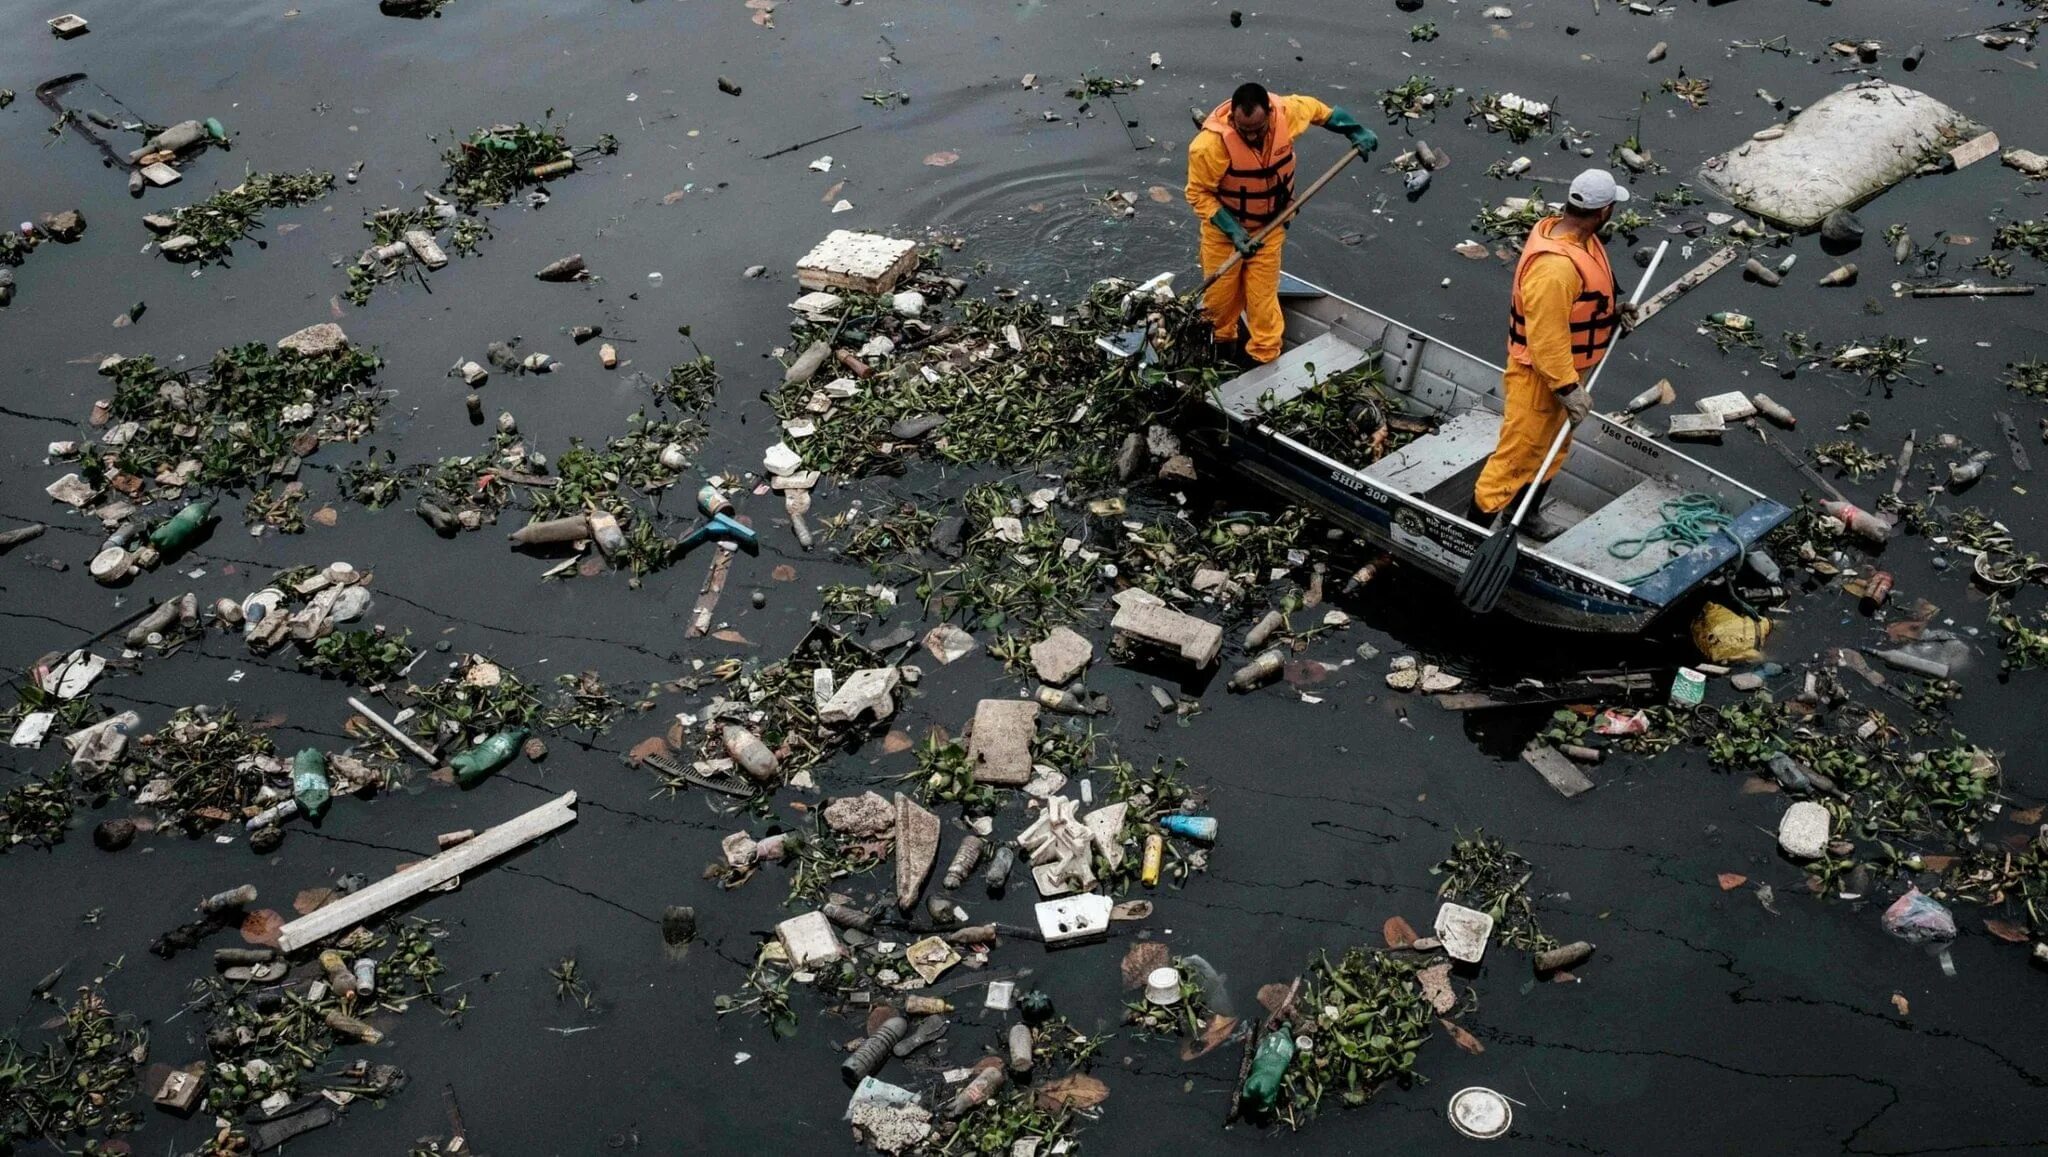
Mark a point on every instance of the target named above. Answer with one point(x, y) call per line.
point(1480, 1113)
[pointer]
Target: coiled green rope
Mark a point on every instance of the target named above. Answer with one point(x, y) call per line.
point(1687, 521)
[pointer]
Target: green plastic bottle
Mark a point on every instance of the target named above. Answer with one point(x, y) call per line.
point(309, 782)
point(1729, 319)
point(181, 528)
point(480, 761)
point(1036, 1007)
point(1269, 1065)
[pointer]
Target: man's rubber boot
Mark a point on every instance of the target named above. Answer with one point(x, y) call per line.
point(1230, 351)
point(1536, 524)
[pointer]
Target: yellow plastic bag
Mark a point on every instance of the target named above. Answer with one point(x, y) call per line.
point(1723, 636)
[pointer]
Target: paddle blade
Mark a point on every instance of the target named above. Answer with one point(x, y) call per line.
point(1486, 577)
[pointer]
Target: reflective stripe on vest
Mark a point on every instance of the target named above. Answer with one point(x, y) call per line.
point(1594, 316)
point(1257, 186)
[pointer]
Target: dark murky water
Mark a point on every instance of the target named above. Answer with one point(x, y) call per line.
point(1706, 1022)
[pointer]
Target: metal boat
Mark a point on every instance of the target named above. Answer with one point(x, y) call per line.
point(1412, 501)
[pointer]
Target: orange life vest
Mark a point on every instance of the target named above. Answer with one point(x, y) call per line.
point(1595, 314)
point(1258, 185)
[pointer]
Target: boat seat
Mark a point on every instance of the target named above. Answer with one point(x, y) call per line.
point(1634, 514)
point(1287, 376)
point(1429, 461)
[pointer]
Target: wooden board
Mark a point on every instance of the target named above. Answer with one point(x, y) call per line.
point(1588, 689)
point(359, 906)
point(1720, 260)
point(707, 598)
point(1557, 770)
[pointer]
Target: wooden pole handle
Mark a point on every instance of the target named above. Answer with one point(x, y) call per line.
point(1286, 215)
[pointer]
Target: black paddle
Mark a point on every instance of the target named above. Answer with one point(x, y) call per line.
point(1486, 576)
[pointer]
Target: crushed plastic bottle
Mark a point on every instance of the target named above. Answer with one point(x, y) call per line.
point(478, 762)
point(182, 528)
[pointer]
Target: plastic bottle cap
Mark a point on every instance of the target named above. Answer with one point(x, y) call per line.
point(1480, 1113)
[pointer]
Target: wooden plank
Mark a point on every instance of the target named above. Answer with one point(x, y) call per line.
point(391, 729)
point(707, 598)
point(1531, 695)
point(1973, 150)
point(399, 887)
point(1720, 260)
point(1556, 770)
point(2012, 442)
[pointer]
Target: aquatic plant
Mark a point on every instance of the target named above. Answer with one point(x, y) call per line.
point(252, 410)
point(1366, 1020)
point(1482, 873)
point(230, 215)
point(1518, 117)
point(78, 1084)
point(363, 658)
point(1414, 98)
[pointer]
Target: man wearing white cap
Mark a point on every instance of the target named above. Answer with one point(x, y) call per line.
point(1562, 317)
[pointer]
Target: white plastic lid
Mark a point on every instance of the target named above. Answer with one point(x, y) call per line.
point(1480, 1113)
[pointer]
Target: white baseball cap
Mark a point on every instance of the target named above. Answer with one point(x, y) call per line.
point(1595, 189)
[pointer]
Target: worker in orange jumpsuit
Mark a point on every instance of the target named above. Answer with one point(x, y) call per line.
point(1561, 319)
point(1240, 177)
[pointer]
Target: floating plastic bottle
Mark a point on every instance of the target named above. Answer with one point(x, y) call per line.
point(1866, 525)
point(980, 1088)
point(1729, 319)
point(551, 530)
point(351, 1027)
point(1035, 1006)
point(339, 977)
point(480, 761)
point(232, 898)
point(310, 787)
point(1259, 671)
point(998, 875)
point(1775, 412)
point(1201, 828)
point(183, 527)
point(1020, 1048)
point(873, 1051)
point(754, 757)
point(1964, 473)
point(1907, 661)
point(1155, 858)
point(1269, 1067)
point(968, 855)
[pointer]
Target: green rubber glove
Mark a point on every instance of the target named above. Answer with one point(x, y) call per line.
point(1361, 138)
point(1231, 229)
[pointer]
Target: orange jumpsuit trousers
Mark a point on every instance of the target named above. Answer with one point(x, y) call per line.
point(1530, 418)
point(1251, 288)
